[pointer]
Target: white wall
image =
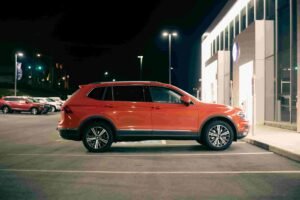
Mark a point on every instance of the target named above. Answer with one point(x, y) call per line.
point(224, 77)
point(209, 82)
point(298, 62)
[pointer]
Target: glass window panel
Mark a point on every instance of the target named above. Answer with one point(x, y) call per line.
point(259, 9)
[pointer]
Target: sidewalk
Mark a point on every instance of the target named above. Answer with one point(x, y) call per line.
point(280, 141)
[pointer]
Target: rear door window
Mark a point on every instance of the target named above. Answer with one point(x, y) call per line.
point(107, 94)
point(129, 93)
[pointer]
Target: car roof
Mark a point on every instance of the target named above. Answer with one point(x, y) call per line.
point(16, 96)
point(123, 83)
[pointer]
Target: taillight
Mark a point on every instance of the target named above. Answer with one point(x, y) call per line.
point(67, 110)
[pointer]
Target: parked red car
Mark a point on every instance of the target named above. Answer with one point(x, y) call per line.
point(18, 103)
point(102, 113)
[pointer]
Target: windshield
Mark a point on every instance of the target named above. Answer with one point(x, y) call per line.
point(50, 100)
point(32, 100)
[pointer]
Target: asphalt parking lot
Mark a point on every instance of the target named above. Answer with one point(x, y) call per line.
point(35, 163)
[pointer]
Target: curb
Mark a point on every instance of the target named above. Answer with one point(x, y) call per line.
point(279, 151)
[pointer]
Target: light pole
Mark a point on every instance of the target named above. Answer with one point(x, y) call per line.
point(16, 69)
point(105, 75)
point(174, 34)
point(141, 67)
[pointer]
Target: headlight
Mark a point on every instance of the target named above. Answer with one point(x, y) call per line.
point(241, 114)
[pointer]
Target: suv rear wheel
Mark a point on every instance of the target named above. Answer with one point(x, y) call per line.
point(218, 135)
point(97, 137)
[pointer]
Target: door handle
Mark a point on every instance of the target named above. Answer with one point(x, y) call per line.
point(156, 107)
point(108, 106)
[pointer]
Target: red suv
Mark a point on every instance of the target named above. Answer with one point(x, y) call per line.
point(102, 113)
point(19, 103)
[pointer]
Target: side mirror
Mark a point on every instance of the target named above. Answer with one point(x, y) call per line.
point(186, 100)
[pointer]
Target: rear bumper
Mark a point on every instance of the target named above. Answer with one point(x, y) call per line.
point(69, 134)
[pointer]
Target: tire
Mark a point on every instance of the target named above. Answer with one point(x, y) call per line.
point(218, 135)
point(6, 109)
point(97, 137)
point(201, 142)
point(52, 109)
point(34, 111)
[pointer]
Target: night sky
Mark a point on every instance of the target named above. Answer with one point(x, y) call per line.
point(89, 39)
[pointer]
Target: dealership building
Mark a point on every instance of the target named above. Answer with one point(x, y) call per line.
point(251, 59)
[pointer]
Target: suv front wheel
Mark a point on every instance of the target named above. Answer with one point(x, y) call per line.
point(218, 135)
point(97, 137)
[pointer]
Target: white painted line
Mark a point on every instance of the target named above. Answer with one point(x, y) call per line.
point(151, 172)
point(144, 155)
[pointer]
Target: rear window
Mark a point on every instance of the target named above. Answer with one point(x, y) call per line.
point(97, 93)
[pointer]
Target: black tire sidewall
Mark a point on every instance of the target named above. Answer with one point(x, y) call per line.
point(206, 138)
point(110, 139)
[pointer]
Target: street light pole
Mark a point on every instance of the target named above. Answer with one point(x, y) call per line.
point(141, 67)
point(170, 62)
point(16, 70)
point(174, 34)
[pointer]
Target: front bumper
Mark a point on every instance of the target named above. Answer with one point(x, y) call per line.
point(242, 135)
point(243, 132)
point(69, 134)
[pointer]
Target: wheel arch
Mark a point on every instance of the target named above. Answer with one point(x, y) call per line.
point(93, 119)
point(5, 105)
point(221, 118)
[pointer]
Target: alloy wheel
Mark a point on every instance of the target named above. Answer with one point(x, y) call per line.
point(219, 136)
point(97, 137)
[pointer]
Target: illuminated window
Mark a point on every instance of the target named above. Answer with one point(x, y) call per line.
point(222, 41)
point(231, 34)
point(251, 12)
point(270, 9)
point(237, 25)
point(218, 43)
point(226, 38)
point(259, 9)
point(243, 19)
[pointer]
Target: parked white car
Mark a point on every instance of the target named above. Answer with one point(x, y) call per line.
point(57, 99)
point(54, 105)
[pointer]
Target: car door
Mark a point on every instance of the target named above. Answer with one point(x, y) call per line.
point(130, 111)
point(170, 116)
point(18, 103)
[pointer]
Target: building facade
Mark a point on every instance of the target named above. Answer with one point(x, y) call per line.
point(250, 59)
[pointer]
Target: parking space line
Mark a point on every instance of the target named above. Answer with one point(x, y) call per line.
point(151, 172)
point(146, 155)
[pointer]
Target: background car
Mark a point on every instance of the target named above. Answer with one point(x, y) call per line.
point(21, 104)
point(54, 105)
point(57, 99)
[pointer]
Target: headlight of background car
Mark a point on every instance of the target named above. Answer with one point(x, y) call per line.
point(241, 114)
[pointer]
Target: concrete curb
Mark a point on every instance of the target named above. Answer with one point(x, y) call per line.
point(277, 150)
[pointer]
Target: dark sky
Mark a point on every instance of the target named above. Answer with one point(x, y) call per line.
point(90, 39)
